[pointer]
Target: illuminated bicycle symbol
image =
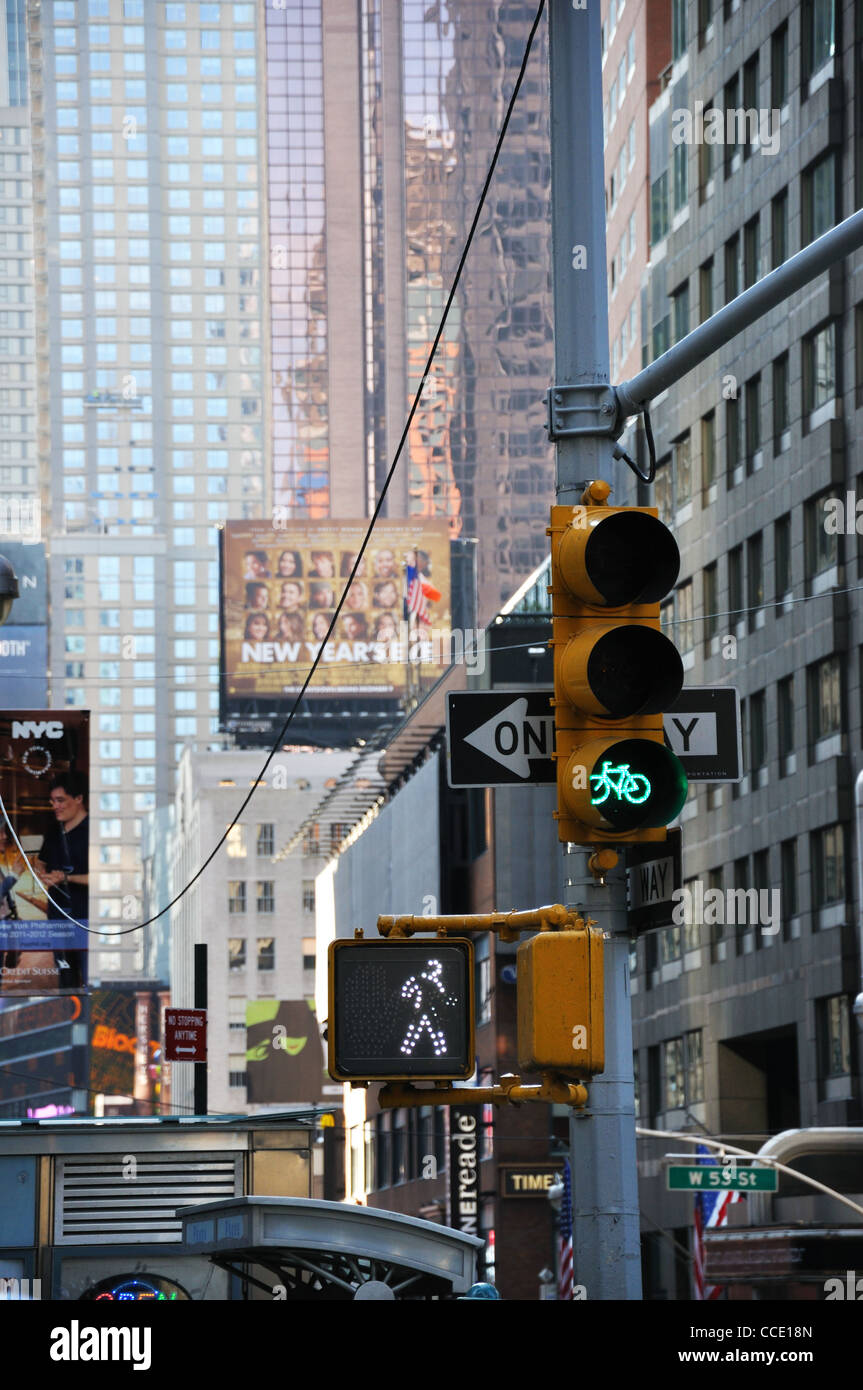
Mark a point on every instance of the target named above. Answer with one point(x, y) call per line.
point(633, 787)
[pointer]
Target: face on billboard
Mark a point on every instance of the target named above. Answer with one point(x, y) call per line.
point(281, 587)
point(44, 852)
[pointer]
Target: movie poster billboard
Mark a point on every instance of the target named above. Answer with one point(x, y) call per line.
point(280, 590)
point(44, 851)
point(284, 1053)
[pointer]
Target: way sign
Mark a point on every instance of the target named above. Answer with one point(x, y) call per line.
point(185, 1035)
point(703, 728)
point(653, 872)
point(721, 1177)
point(504, 738)
point(500, 738)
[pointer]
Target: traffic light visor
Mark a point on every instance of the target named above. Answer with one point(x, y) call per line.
point(621, 670)
point(627, 557)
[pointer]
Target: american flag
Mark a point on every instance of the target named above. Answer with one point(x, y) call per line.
point(564, 1278)
point(418, 592)
point(711, 1212)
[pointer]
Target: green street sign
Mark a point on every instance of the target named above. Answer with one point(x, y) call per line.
point(721, 1177)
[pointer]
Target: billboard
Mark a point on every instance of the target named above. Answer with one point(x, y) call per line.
point(23, 666)
point(125, 1051)
point(284, 1055)
point(280, 589)
point(44, 851)
point(28, 562)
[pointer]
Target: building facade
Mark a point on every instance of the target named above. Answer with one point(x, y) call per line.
point(745, 1026)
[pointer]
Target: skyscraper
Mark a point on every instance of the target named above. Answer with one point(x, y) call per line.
point(153, 400)
point(385, 118)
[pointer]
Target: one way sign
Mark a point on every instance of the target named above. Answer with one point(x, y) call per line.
point(504, 738)
point(500, 738)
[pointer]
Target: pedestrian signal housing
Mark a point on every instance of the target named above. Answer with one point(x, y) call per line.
point(401, 1009)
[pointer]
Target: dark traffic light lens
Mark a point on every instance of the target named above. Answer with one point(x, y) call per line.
point(634, 670)
point(637, 784)
point(631, 557)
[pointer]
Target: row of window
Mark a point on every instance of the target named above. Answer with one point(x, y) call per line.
point(265, 896)
point(676, 1066)
point(265, 956)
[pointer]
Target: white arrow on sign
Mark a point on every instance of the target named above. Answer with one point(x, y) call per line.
point(185, 1049)
point(506, 737)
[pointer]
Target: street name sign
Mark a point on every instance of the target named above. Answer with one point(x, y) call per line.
point(185, 1035)
point(721, 1177)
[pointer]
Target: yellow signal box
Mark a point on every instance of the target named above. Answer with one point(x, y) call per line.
point(615, 671)
point(561, 994)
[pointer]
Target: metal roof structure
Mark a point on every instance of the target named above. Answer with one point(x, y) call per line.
point(330, 1250)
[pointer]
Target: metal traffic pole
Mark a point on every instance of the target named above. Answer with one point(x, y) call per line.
point(606, 1243)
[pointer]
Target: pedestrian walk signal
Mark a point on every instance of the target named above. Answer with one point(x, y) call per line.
point(401, 1009)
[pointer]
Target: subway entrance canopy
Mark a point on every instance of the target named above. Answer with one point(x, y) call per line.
point(330, 1250)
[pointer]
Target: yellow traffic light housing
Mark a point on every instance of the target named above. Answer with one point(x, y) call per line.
point(615, 671)
point(561, 995)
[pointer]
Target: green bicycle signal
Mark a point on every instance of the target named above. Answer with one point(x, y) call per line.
point(618, 781)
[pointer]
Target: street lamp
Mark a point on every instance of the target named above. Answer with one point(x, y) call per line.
point(8, 589)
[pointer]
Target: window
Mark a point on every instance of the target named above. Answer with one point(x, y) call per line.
point(678, 29)
point(781, 405)
point(779, 67)
point(708, 453)
point(237, 952)
point(265, 844)
point(265, 900)
point(790, 905)
point(782, 554)
point(732, 268)
point(685, 626)
point(266, 953)
point(732, 439)
point(236, 841)
point(308, 895)
point(818, 33)
point(682, 471)
point(659, 211)
point(819, 372)
point(785, 725)
point(835, 1037)
point(825, 700)
point(236, 896)
point(680, 170)
point(821, 546)
point(680, 311)
point(751, 252)
point(705, 290)
point(757, 734)
point(711, 602)
point(820, 207)
point(753, 423)
point(705, 165)
point(682, 1062)
point(755, 579)
point(735, 584)
point(732, 103)
point(828, 866)
point(309, 952)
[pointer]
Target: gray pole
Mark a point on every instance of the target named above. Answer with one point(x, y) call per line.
point(606, 1247)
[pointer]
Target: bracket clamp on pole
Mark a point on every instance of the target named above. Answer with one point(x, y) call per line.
point(575, 411)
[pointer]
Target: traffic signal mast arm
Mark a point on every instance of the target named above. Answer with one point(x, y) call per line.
point(507, 925)
point(510, 1091)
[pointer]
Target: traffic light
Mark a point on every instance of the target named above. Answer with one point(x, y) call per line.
point(561, 993)
point(401, 1009)
point(615, 671)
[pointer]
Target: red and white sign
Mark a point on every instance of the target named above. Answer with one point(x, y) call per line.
point(185, 1035)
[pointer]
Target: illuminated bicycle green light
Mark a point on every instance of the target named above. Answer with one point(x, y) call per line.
point(619, 783)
